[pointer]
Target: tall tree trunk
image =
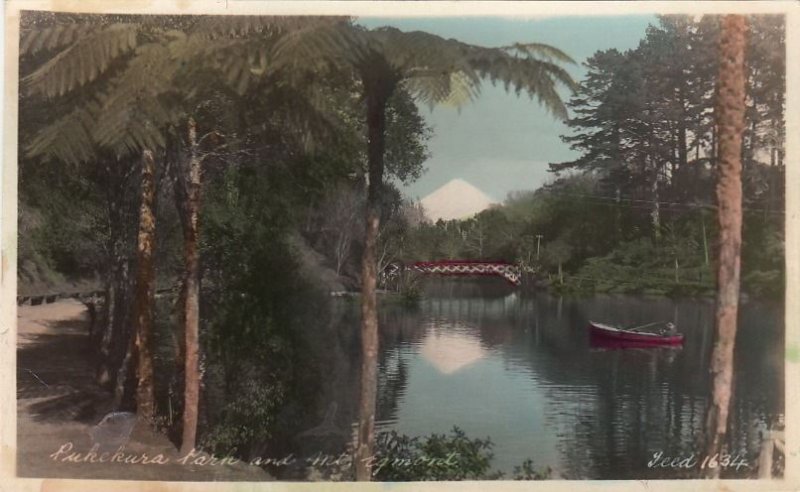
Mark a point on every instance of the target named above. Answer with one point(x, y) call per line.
point(190, 310)
point(705, 237)
point(121, 383)
point(117, 301)
point(617, 217)
point(378, 90)
point(173, 162)
point(655, 213)
point(714, 146)
point(682, 148)
point(145, 291)
point(115, 264)
point(730, 122)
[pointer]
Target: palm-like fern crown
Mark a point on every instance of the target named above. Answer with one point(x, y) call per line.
point(144, 69)
point(434, 69)
point(139, 73)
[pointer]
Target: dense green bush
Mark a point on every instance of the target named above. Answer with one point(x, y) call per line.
point(452, 456)
point(437, 457)
point(249, 414)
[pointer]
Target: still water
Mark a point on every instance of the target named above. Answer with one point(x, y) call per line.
point(521, 370)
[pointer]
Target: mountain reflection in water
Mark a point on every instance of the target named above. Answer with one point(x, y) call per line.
point(520, 369)
point(448, 350)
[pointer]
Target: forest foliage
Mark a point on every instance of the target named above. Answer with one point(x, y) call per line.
point(284, 172)
point(95, 91)
point(635, 211)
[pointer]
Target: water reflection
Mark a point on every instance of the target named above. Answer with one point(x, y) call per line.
point(522, 370)
point(450, 351)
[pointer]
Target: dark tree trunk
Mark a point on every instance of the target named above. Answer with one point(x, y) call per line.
point(145, 291)
point(115, 265)
point(121, 385)
point(114, 330)
point(714, 149)
point(378, 89)
point(730, 122)
point(682, 150)
point(705, 237)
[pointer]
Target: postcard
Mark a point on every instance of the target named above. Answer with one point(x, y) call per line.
point(429, 244)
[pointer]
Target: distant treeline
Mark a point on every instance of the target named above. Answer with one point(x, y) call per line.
point(635, 212)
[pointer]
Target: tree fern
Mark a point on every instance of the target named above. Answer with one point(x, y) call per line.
point(428, 62)
point(68, 139)
point(164, 62)
point(214, 27)
point(435, 70)
point(34, 40)
point(317, 47)
point(538, 50)
point(134, 111)
point(82, 61)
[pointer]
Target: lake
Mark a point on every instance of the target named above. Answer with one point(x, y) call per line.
point(521, 370)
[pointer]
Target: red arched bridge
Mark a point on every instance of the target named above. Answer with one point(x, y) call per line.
point(508, 271)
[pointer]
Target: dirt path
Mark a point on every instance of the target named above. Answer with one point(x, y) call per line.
point(58, 403)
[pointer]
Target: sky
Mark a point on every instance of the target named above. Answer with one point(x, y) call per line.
point(503, 143)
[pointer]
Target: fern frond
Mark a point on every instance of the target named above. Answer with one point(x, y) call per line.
point(213, 27)
point(537, 78)
point(82, 61)
point(134, 112)
point(53, 37)
point(448, 71)
point(240, 64)
point(134, 128)
point(68, 139)
point(538, 50)
point(316, 46)
point(417, 49)
point(313, 113)
point(463, 90)
point(433, 87)
point(242, 49)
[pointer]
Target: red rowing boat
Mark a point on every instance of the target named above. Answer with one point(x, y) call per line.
point(640, 337)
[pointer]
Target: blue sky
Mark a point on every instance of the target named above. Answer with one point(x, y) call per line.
point(502, 143)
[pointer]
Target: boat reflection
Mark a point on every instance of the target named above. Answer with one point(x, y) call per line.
point(600, 342)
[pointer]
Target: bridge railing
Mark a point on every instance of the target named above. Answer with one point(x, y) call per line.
point(508, 271)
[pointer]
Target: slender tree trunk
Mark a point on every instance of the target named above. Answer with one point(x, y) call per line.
point(191, 291)
point(705, 237)
point(173, 160)
point(118, 341)
point(121, 384)
point(378, 90)
point(145, 290)
point(115, 265)
point(655, 213)
point(714, 148)
point(116, 281)
point(682, 149)
point(617, 215)
point(730, 121)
